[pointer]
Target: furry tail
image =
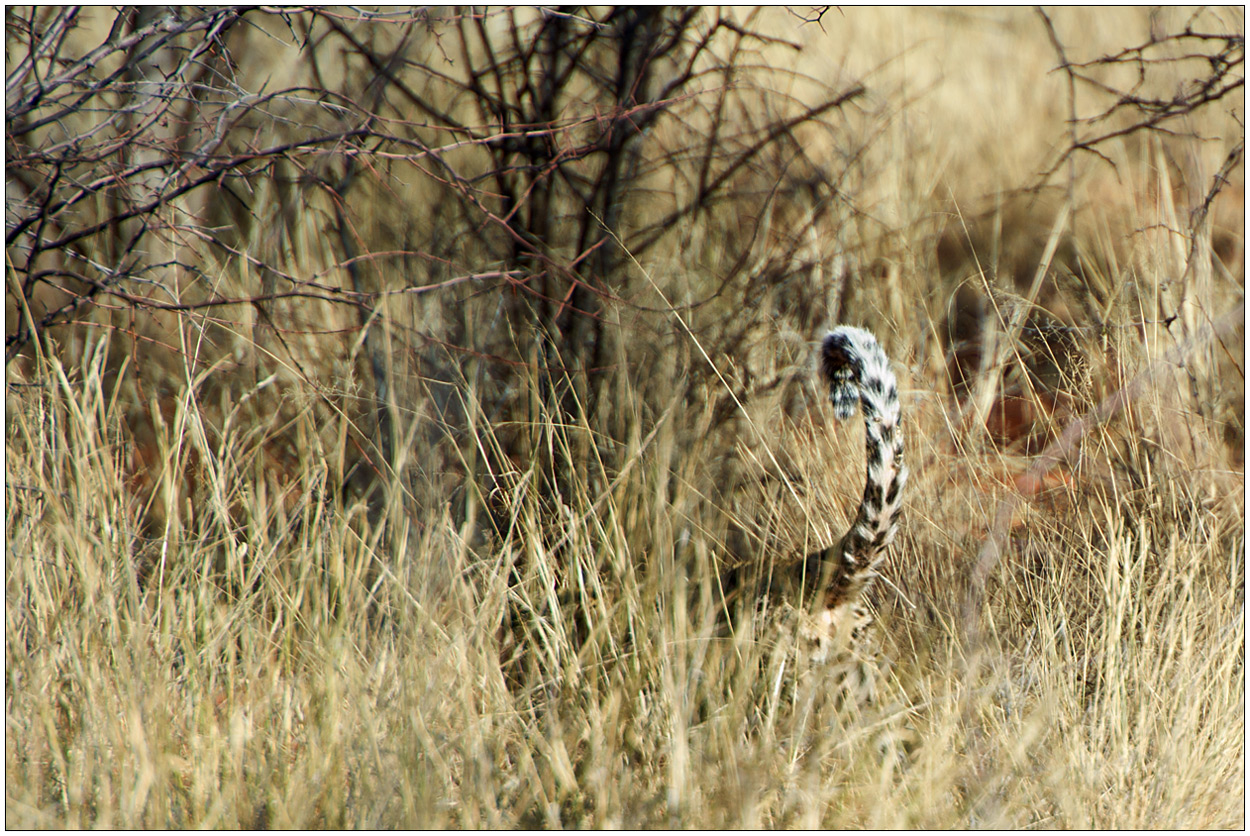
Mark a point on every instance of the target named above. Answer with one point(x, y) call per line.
point(858, 371)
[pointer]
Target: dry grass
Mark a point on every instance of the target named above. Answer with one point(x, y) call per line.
point(220, 646)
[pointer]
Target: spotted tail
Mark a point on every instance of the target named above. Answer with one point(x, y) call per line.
point(857, 370)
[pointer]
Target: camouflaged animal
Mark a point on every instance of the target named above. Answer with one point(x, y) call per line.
point(858, 372)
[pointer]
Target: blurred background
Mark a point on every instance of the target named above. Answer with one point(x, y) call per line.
point(475, 346)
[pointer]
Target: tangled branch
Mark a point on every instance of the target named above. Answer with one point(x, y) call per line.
point(1139, 107)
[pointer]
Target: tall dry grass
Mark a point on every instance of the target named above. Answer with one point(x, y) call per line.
point(219, 638)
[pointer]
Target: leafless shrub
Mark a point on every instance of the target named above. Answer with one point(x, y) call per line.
point(161, 173)
point(1128, 81)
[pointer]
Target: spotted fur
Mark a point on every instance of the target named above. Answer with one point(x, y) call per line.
point(857, 370)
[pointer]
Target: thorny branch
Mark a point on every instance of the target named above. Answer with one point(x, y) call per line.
point(147, 137)
point(1140, 106)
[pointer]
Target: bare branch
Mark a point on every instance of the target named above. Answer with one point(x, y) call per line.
point(1223, 56)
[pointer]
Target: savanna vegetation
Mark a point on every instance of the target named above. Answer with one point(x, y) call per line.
point(390, 394)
